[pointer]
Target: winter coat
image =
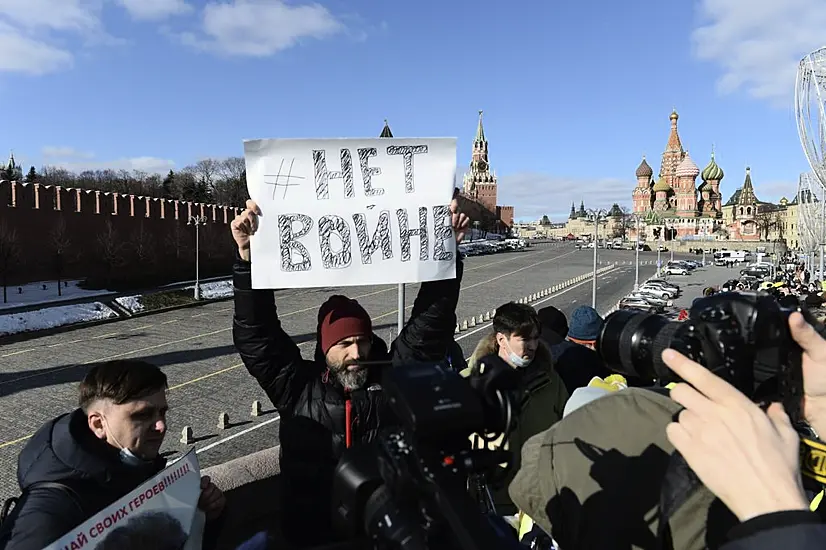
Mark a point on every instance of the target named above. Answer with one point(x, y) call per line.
point(792, 530)
point(542, 398)
point(65, 451)
point(312, 403)
point(577, 364)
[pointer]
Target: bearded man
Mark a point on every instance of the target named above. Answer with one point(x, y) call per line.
point(333, 401)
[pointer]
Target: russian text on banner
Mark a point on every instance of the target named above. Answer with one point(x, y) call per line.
point(162, 509)
point(340, 212)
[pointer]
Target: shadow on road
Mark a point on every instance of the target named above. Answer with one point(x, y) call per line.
point(19, 381)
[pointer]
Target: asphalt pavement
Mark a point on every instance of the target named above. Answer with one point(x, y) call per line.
point(38, 377)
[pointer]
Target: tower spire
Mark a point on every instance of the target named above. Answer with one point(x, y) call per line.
point(385, 132)
point(480, 130)
point(674, 143)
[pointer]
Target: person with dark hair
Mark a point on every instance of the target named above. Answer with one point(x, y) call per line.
point(515, 340)
point(554, 325)
point(83, 461)
point(334, 400)
point(576, 361)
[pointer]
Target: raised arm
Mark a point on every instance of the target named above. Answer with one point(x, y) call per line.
point(268, 353)
point(429, 331)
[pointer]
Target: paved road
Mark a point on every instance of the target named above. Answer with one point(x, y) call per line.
point(194, 347)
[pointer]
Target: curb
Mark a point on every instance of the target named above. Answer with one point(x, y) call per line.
point(471, 322)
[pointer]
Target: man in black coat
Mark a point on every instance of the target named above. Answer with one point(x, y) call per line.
point(81, 462)
point(332, 401)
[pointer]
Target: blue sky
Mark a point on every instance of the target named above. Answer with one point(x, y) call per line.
point(574, 93)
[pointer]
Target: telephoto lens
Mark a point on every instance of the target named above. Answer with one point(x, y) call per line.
point(632, 342)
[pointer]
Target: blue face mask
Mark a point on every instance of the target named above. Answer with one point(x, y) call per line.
point(516, 360)
point(126, 456)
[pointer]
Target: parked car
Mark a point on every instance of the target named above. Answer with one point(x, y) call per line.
point(662, 283)
point(674, 270)
point(651, 298)
point(639, 304)
point(657, 291)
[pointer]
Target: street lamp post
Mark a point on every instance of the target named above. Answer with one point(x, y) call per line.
point(659, 250)
point(637, 256)
point(672, 244)
point(597, 214)
point(197, 221)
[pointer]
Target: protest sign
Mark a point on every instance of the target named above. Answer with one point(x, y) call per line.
point(159, 513)
point(339, 212)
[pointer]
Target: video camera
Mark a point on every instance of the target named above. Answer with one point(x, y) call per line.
point(743, 337)
point(409, 488)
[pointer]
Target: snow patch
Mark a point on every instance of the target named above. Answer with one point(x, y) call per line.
point(33, 293)
point(132, 304)
point(52, 317)
point(216, 289)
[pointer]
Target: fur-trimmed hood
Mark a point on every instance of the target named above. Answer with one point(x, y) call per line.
point(488, 346)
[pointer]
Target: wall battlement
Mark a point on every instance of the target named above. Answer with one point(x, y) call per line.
point(61, 232)
point(35, 196)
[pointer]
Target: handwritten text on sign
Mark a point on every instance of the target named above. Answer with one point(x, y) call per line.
point(351, 211)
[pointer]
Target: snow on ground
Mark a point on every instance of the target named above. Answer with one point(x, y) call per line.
point(51, 317)
point(33, 293)
point(132, 304)
point(215, 290)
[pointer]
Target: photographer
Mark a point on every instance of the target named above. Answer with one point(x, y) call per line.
point(748, 458)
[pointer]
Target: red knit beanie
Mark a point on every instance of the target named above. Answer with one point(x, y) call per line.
point(339, 318)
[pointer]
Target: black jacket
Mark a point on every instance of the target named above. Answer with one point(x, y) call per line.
point(312, 404)
point(65, 451)
point(577, 365)
point(794, 530)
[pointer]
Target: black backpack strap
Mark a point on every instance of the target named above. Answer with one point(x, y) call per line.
point(11, 503)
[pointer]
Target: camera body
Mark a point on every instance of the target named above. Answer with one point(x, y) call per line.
point(409, 487)
point(743, 337)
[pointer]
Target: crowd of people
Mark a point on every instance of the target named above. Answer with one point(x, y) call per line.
point(80, 462)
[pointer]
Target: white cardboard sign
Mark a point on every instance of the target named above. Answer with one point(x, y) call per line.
point(164, 506)
point(342, 212)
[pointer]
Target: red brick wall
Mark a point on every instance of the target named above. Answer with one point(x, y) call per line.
point(36, 211)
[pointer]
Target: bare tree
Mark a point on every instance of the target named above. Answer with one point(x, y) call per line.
point(143, 246)
point(9, 254)
point(766, 220)
point(60, 243)
point(110, 249)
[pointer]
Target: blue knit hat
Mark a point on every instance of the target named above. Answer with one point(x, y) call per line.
point(585, 324)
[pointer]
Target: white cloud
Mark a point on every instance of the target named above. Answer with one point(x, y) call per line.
point(21, 54)
point(33, 32)
point(155, 9)
point(259, 28)
point(758, 44)
point(78, 161)
point(50, 152)
point(534, 195)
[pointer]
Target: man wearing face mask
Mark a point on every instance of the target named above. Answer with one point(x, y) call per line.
point(83, 461)
point(515, 340)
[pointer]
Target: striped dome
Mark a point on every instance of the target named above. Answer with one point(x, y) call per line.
point(687, 168)
point(644, 170)
point(661, 185)
point(712, 172)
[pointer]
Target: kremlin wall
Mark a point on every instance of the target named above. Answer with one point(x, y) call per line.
point(108, 237)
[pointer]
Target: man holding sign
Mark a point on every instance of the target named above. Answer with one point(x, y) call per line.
point(80, 463)
point(334, 400)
